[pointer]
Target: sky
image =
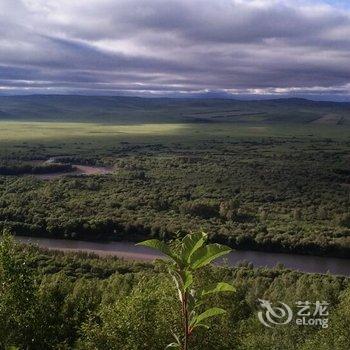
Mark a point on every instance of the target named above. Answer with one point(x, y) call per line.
point(176, 48)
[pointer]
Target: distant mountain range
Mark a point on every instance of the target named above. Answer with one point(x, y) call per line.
point(154, 110)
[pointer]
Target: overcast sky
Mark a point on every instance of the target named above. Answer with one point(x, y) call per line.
point(176, 47)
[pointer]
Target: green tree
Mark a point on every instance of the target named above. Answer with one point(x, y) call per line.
point(135, 319)
point(17, 297)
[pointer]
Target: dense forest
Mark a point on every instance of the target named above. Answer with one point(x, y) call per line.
point(52, 300)
point(287, 194)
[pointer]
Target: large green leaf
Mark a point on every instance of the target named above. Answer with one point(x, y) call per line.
point(191, 243)
point(214, 311)
point(158, 245)
point(205, 255)
point(218, 288)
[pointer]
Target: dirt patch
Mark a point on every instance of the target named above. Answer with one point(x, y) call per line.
point(79, 170)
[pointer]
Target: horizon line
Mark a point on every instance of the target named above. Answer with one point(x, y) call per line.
point(242, 98)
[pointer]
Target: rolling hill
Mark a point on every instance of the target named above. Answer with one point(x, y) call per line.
point(154, 110)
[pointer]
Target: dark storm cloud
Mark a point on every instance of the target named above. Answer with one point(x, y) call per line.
point(175, 46)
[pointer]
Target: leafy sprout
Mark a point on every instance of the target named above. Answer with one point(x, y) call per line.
point(192, 254)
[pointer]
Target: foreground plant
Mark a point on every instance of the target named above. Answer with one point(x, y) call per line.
point(182, 261)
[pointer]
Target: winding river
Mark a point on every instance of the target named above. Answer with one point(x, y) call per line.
point(128, 250)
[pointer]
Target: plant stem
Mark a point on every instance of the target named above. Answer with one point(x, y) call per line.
point(186, 321)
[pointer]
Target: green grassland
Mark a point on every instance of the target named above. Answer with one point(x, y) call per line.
point(279, 187)
point(24, 134)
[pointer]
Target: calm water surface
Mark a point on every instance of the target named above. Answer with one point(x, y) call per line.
point(128, 250)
